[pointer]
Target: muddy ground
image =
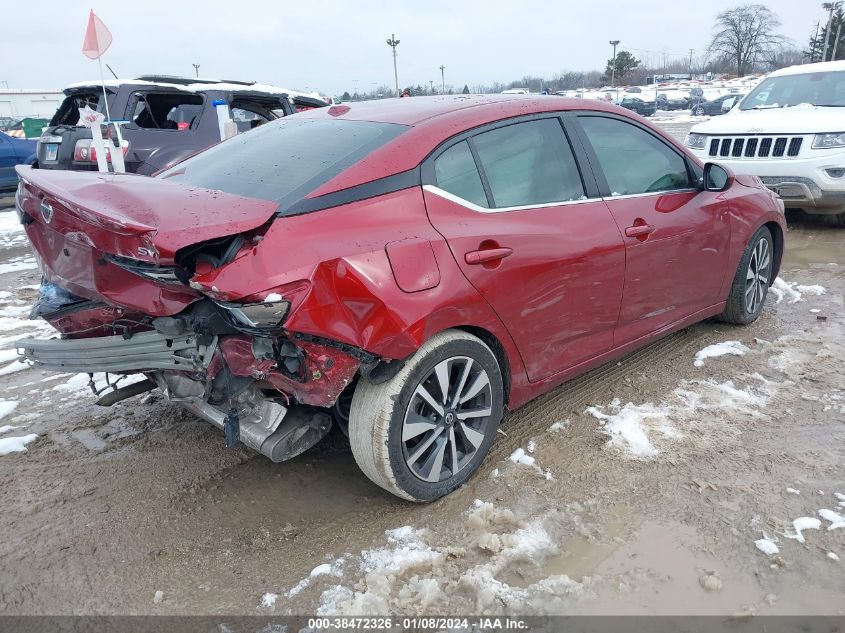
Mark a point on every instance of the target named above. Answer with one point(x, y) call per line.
point(646, 496)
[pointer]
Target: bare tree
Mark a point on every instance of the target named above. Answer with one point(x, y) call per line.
point(745, 35)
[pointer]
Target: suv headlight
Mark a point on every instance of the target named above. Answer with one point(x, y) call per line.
point(829, 141)
point(696, 141)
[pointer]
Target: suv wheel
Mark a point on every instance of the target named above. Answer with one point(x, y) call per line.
point(425, 432)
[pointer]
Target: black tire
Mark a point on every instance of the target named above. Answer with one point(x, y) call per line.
point(699, 111)
point(383, 416)
point(839, 220)
point(749, 290)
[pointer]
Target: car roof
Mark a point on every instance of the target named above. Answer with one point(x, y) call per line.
point(818, 67)
point(183, 84)
point(415, 111)
point(432, 120)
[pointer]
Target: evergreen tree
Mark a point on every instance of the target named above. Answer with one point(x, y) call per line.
point(625, 63)
point(465, 91)
point(835, 49)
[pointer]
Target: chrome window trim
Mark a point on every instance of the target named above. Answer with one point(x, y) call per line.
point(474, 207)
point(650, 193)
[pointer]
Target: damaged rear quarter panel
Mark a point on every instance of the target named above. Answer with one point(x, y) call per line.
point(327, 370)
point(354, 297)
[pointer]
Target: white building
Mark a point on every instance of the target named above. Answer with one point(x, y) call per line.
point(23, 102)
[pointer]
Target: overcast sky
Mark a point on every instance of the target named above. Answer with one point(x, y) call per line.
point(337, 45)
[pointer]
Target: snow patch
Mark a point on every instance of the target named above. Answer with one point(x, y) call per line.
point(794, 292)
point(832, 556)
point(557, 427)
point(639, 430)
point(629, 426)
point(803, 523)
point(767, 546)
point(793, 491)
point(733, 348)
point(6, 407)
point(16, 444)
point(272, 297)
point(520, 456)
point(268, 600)
point(13, 368)
point(811, 290)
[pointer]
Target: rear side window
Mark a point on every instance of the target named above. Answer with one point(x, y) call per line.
point(167, 111)
point(529, 163)
point(634, 161)
point(284, 160)
point(455, 172)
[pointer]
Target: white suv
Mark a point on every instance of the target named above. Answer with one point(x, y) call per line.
point(789, 131)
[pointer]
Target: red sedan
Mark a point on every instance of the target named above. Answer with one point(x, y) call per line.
point(407, 269)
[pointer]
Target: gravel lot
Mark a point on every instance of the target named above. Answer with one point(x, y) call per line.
point(140, 508)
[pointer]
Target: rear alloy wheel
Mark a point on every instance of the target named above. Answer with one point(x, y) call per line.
point(699, 111)
point(423, 433)
point(752, 280)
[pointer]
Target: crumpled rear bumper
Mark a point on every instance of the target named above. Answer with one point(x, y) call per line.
point(141, 352)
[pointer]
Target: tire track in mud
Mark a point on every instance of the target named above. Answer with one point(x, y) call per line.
point(570, 399)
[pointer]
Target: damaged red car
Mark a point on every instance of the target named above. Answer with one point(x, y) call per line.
point(407, 269)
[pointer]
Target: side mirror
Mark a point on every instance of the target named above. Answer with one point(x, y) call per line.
point(717, 178)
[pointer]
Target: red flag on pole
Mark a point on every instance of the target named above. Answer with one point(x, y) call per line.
point(97, 37)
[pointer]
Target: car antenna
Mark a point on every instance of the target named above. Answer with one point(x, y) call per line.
point(112, 72)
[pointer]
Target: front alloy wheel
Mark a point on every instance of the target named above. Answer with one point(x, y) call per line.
point(752, 280)
point(757, 276)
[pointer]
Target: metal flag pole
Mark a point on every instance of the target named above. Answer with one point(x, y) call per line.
point(116, 155)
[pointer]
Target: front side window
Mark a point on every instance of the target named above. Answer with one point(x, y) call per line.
point(634, 161)
point(529, 163)
point(455, 172)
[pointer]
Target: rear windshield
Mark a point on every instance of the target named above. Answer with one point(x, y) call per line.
point(284, 160)
point(818, 89)
point(68, 112)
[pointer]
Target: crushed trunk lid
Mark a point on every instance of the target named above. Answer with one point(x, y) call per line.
point(147, 219)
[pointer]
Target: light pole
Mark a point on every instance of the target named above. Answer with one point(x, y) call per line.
point(614, 44)
point(392, 42)
point(443, 78)
point(830, 6)
point(196, 69)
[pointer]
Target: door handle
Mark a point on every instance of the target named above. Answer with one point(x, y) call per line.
point(640, 230)
point(487, 255)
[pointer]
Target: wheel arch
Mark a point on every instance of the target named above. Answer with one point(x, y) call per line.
point(492, 341)
point(778, 238)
